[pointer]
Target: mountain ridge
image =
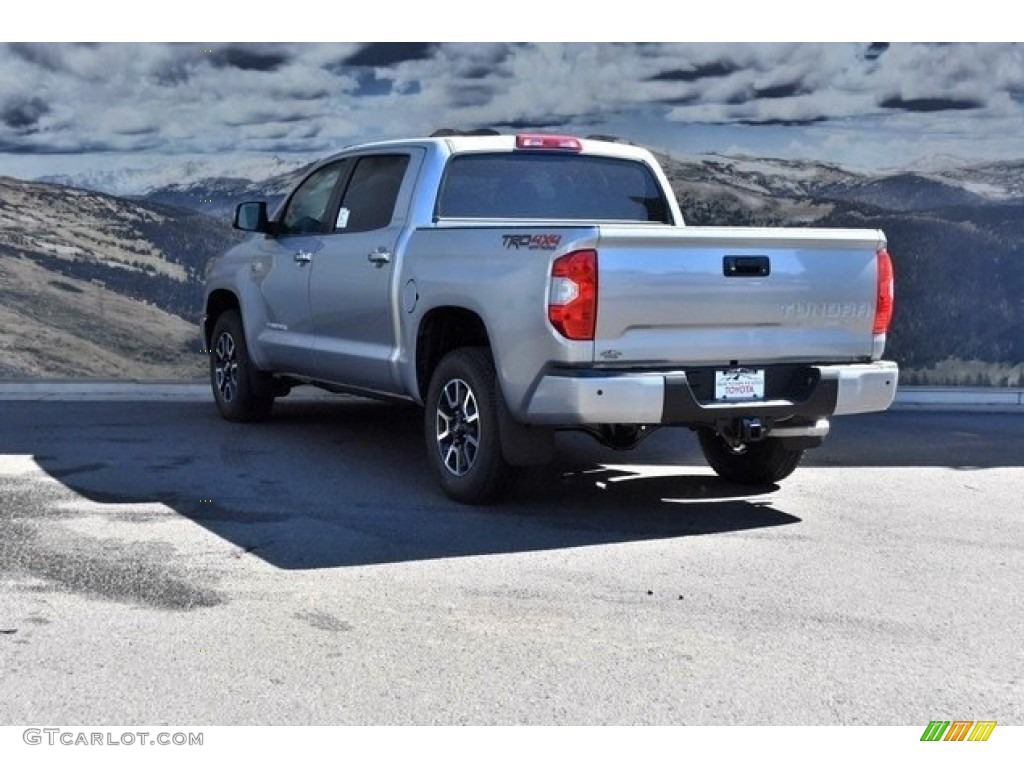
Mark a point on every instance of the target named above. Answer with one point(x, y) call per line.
point(958, 253)
point(95, 285)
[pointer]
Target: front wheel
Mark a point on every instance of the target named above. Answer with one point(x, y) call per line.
point(242, 391)
point(761, 463)
point(463, 441)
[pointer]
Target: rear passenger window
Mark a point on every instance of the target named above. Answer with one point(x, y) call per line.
point(369, 201)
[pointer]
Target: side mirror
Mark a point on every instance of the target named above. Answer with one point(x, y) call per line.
point(251, 217)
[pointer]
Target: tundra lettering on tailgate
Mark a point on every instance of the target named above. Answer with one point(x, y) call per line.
point(834, 309)
point(531, 242)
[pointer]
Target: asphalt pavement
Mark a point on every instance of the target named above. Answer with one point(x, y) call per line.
point(160, 565)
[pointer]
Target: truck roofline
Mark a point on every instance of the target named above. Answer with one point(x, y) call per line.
point(453, 145)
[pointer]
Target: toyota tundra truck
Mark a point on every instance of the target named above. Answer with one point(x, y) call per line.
point(514, 286)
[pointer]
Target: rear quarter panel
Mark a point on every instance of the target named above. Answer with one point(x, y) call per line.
point(474, 268)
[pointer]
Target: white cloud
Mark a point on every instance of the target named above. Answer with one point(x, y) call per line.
point(176, 98)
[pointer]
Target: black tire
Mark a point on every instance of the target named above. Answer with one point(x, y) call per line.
point(242, 391)
point(461, 425)
point(762, 463)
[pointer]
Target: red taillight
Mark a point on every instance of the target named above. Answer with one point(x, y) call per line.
point(883, 305)
point(542, 141)
point(572, 296)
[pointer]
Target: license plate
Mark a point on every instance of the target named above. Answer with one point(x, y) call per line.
point(739, 384)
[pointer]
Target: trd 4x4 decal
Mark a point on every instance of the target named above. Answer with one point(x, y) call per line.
point(531, 242)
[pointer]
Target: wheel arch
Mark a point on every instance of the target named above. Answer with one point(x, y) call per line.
point(441, 330)
point(217, 303)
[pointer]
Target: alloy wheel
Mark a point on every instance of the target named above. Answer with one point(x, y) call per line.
point(226, 366)
point(457, 427)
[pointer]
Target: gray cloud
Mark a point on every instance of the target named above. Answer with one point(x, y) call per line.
point(698, 72)
point(136, 130)
point(477, 72)
point(22, 114)
point(251, 58)
point(470, 95)
point(875, 50)
point(172, 73)
point(930, 104)
point(302, 94)
point(783, 91)
point(80, 148)
point(527, 124)
point(780, 122)
point(389, 54)
point(45, 55)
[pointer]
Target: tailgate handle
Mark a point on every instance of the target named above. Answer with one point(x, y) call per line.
point(746, 266)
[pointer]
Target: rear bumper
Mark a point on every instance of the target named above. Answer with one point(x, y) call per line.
point(677, 397)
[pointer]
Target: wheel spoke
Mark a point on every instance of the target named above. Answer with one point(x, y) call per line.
point(444, 426)
point(451, 394)
point(452, 452)
point(469, 450)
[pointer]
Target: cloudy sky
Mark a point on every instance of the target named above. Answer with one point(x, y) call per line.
point(68, 107)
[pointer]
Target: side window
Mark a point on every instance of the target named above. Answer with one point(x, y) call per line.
point(369, 201)
point(307, 208)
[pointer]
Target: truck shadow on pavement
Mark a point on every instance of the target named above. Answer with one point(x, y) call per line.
point(342, 483)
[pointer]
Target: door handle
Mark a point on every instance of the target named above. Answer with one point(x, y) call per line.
point(746, 266)
point(380, 257)
point(303, 257)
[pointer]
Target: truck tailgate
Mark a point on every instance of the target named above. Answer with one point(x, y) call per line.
point(700, 295)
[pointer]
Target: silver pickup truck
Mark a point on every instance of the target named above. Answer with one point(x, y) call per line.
point(518, 285)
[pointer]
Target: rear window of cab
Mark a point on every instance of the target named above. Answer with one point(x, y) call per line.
point(536, 185)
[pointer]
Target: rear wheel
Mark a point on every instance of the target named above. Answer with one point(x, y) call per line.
point(241, 390)
point(462, 432)
point(761, 463)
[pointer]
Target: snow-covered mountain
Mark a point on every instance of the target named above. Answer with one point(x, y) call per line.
point(213, 185)
point(144, 177)
point(745, 190)
point(995, 181)
point(139, 176)
point(775, 176)
point(218, 195)
point(796, 178)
